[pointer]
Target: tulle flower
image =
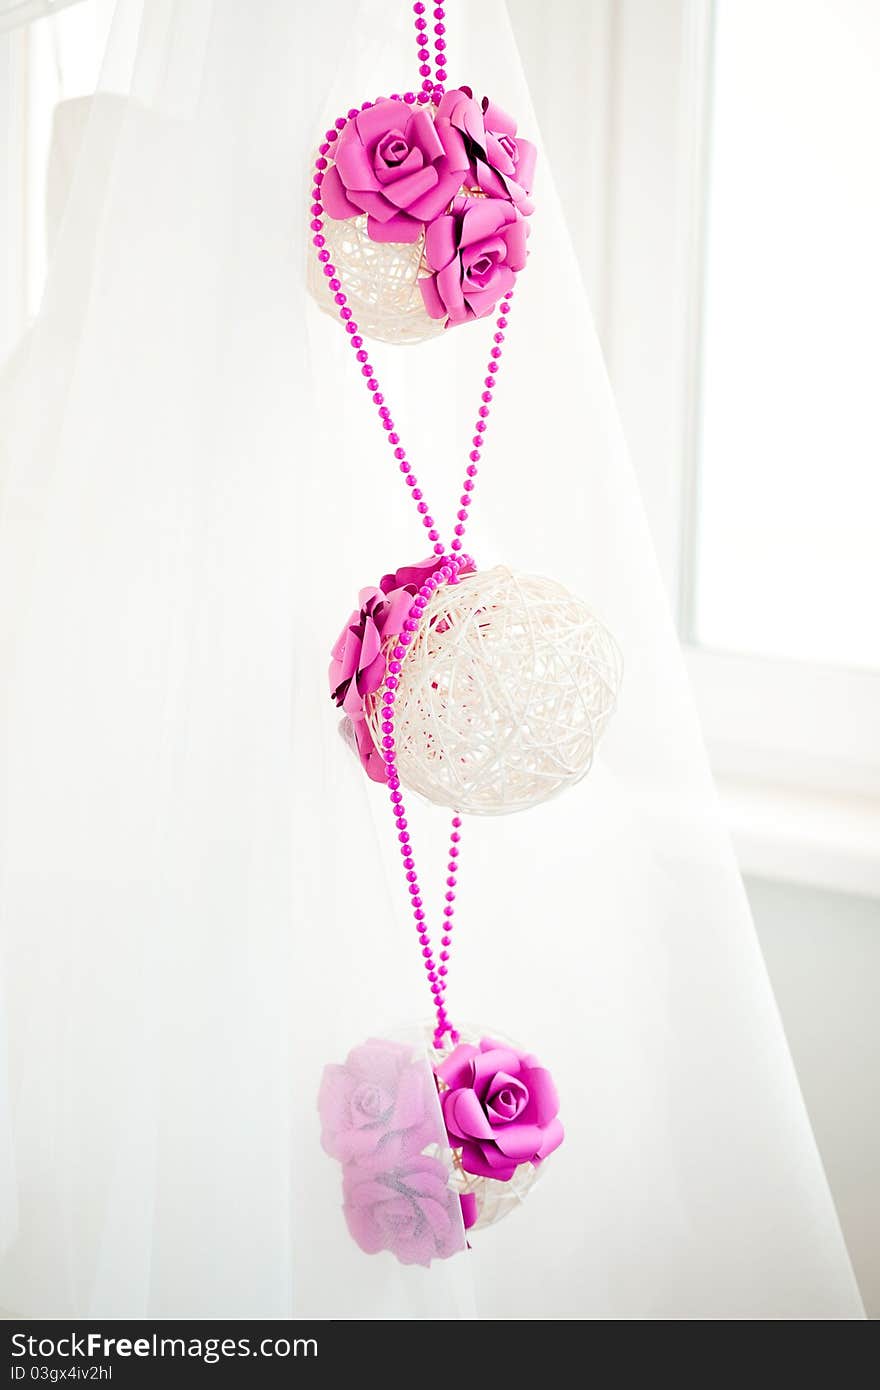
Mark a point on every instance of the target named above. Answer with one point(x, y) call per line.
point(397, 165)
point(500, 1108)
point(473, 253)
point(502, 163)
point(380, 1107)
point(410, 1211)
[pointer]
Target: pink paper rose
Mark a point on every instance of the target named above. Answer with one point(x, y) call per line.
point(502, 163)
point(380, 1107)
point(474, 253)
point(393, 163)
point(410, 1211)
point(500, 1108)
point(357, 667)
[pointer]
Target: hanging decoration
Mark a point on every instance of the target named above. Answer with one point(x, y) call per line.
point(424, 199)
point(504, 692)
point(485, 691)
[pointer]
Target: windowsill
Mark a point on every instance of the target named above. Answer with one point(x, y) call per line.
point(798, 836)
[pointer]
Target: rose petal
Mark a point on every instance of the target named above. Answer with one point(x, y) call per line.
point(543, 1096)
point(483, 217)
point(515, 236)
point(497, 120)
point(377, 120)
point(494, 1059)
point(553, 1137)
point(449, 287)
point(406, 190)
point(453, 147)
point(421, 129)
point(353, 166)
point(334, 197)
point(391, 173)
point(473, 1161)
point(526, 159)
point(433, 203)
point(440, 243)
point(519, 1141)
point(464, 1115)
point(434, 305)
point(456, 1069)
point(398, 228)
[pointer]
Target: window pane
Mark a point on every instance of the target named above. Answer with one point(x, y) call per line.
point(788, 547)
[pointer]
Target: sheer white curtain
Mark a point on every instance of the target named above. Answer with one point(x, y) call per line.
point(198, 909)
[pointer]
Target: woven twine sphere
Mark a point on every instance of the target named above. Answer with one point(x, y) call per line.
point(495, 1199)
point(503, 694)
point(380, 280)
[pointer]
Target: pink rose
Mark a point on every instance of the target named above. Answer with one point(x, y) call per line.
point(474, 252)
point(502, 163)
point(393, 163)
point(410, 1211)
point(357, 666)
point(500, 1108)
point(380, 1107)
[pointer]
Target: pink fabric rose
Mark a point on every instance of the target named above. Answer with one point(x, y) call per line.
point(357, 666)
point(410, 1211)
point(502, 163)
point(380, 1107)
point(393, 163)
point(500, 1108)
point(474, 253)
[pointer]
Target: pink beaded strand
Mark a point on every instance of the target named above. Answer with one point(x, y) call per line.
point(435, 968)
point(424, 53)
point(432, 91)
point(371, 380)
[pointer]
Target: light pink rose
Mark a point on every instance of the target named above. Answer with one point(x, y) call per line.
point(500, 1108)
point(474, 253)
point(393, 163)
point(380, 1107)
point(410, 1211)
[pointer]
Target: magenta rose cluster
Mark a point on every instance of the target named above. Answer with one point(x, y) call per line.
point(461, 175)
point(379, 1113)
point(357, 665)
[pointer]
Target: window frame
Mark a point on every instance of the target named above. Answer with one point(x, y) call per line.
point(795, 747)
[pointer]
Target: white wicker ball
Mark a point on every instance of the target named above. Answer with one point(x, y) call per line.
point(503, 695)
point(380, 280)
point(495, 1200)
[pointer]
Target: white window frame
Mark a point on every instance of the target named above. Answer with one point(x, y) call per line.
point(795, 747)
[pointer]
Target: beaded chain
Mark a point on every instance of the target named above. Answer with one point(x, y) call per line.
point(453, 560)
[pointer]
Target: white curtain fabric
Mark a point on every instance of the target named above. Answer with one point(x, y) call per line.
point(200, 895)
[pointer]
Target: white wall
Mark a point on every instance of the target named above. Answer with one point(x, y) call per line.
point(823, 954)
